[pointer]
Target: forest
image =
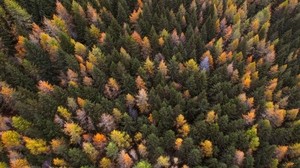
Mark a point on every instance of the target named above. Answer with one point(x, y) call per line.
point(150, 83)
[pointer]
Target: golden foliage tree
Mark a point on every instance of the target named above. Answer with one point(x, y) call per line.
point(36, 146)
point(74, 131)
point(207, 148)
point(121, 139)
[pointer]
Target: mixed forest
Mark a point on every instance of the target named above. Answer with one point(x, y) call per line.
point(150, 83)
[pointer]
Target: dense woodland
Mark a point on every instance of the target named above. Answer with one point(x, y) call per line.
point(150, 83)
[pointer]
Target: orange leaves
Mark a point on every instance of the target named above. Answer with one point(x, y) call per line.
point(140, 84)
point(135, 15)
point(125, 160)
point(280, 152)
point(20, 48)
point(99, 140)
point(136, 36)
point(250, 117)
point(45, 87)
point(274, 114)
point(112, 88)
point(246, 81)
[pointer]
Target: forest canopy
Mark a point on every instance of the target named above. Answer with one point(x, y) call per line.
point(150, 83)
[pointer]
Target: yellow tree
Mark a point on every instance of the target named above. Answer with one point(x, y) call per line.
point(74, 131)
point(121, 139)
point(207, 148)
point(163, 161)
point(211, 117)
point(11, 139)
point(91, 151)
point(36, 146)
point(149, 66)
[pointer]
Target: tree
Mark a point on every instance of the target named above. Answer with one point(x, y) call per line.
point(11, 139)
point(142, 101)
point(124, 160)
point(36, 146)
point(112, 88)
point(207, 148)
point(74, 131)
point(121, 139)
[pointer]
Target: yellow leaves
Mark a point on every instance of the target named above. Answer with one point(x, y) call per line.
point(36, 146)
point(292, 114)
point(94, 31)
point(130, 100)
point(135, 15)
point(74, 131)
point(149, 66)
point(184, 130)
point(142, 149)
point(80, 49)
point(163, 161)
point(138, 137)
point(180, 120)
point(64, 112)
point(207, 148)
point(142, 101)
point(11, 139)
point(105, 163)
point(178, 143)
point(112, 88)
point(90, 150)
point(59, 162)
point(191, 65)
point(211, 117)
point(182, 126)
point(294, 150)
point(121, 139)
